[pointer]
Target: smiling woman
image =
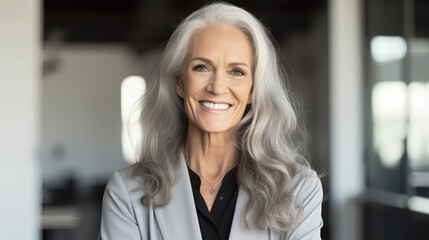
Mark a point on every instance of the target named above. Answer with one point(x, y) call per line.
point(218, 158)
point(216, 80)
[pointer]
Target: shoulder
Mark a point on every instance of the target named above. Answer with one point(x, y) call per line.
point(124, 179)
point(121, 202)
point(307, 189)
point(123, 192)
point(306, 185)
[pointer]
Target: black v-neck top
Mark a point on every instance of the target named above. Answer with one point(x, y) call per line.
point(216, 224)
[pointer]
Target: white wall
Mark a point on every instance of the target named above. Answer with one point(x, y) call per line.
point(19, 120)
point(346, 146)
point(81, 115)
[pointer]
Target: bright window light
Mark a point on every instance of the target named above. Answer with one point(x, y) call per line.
point(419, 204)
point(388, 48)
point(132, 88)
point(389, 111)
point(418, 136)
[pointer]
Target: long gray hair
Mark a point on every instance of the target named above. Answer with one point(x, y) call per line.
point(268, 151)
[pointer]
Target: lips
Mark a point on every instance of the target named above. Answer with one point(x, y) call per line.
point(215, 105)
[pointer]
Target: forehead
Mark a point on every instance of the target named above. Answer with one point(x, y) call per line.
point(215, 39)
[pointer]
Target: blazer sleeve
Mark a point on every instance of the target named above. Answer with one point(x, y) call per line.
point(118, 220)
point(310, 194)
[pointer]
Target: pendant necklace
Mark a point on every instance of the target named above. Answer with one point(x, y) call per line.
point(212, 187)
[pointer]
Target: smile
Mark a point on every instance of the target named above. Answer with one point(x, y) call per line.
point(215, 106)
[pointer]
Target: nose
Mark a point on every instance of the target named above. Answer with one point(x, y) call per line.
point(217, 84)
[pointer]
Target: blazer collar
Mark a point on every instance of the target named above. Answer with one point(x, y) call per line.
point(239, 231)
point(178, 219)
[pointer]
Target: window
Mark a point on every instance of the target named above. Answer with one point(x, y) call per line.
point(132, 89)
point(397, 44)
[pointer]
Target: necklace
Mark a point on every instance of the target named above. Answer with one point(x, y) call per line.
point(212, 187)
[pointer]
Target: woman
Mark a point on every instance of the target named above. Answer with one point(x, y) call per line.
point(217, 158)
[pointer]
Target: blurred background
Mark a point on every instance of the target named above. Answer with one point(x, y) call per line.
point(70, 70)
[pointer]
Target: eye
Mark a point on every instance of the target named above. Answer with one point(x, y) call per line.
point(200, 68)
point(237, 72)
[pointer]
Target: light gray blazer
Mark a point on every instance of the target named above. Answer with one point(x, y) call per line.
point(124, 217)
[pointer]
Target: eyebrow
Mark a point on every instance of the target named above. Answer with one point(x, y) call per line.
point(211, 63)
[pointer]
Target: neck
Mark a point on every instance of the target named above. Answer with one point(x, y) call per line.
point(210, 154)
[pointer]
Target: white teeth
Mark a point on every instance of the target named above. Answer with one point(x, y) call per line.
point(215, 106)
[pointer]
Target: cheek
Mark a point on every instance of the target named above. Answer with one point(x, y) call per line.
point(193, 85)
point(244, 91)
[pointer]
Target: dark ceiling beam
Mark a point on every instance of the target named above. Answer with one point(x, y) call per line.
point(146, 24)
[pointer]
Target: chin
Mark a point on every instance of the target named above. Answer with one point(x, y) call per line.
point(215, 128)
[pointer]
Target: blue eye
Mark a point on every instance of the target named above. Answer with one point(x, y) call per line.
point(237, 72)
point(200, 68)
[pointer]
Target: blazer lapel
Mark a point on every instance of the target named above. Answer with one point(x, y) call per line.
point(239, 231)
point(178, 220)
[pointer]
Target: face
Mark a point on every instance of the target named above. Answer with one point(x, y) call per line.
point(216, 78)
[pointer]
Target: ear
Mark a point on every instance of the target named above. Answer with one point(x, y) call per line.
point(179, 86)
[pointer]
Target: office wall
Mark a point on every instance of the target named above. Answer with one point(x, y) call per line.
point(81, 114)
point(19, 119)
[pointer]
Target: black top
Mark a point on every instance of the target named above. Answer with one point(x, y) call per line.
point(216, 224)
